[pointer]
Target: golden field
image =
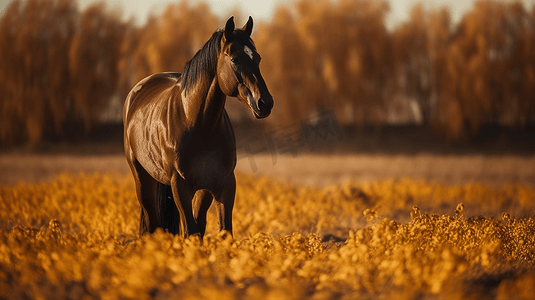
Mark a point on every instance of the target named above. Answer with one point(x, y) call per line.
point(75, 237)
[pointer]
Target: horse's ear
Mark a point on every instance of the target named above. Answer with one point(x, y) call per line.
point(229, 29)
point(248, 28)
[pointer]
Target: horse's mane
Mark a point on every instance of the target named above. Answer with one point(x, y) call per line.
point(205, 60)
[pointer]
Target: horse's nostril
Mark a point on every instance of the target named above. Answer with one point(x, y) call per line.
point(262, 104)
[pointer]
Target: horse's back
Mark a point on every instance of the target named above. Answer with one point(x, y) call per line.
point(147, 90)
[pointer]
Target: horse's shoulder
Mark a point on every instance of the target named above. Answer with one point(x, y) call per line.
point(228, 125)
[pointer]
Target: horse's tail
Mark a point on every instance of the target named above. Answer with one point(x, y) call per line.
point(169, 216)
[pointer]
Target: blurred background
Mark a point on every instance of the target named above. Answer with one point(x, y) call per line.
point(399, 76)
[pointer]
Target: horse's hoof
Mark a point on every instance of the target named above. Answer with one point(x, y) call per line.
point(195, 238)
point(224, 234)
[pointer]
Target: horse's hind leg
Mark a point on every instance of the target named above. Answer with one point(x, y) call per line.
point(146, 195)
point(201, 203)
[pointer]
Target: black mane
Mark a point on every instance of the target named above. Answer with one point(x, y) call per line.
point(205, 60)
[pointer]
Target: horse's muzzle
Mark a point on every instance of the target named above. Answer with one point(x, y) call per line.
point(264, 107)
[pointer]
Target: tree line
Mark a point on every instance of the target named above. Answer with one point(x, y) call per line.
point(63, 68)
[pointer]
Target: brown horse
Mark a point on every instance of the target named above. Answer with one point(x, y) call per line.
point(178, 139)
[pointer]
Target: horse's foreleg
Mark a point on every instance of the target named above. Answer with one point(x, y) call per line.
point(201, 203)
point(225, 204)
point(183, 196)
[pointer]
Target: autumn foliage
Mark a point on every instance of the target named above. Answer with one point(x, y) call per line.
point(63, 68)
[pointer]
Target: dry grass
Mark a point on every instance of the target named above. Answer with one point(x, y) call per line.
point(305, 169)
point(324, 170)
point(75, 237)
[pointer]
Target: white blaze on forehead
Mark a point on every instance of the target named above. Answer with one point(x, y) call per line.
point(248, 51)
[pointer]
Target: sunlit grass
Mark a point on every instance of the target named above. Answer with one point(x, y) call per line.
point(76, 237)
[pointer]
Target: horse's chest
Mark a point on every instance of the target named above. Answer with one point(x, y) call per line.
point(206, 166)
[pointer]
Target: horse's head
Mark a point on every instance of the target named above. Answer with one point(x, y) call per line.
point(239, 72)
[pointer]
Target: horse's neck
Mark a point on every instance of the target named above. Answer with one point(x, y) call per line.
point(204, 105)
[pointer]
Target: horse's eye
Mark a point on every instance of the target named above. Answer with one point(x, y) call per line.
point(235, 60)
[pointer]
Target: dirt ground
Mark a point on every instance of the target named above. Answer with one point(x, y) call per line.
point(318, 170)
